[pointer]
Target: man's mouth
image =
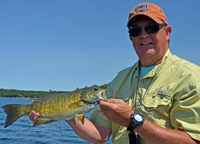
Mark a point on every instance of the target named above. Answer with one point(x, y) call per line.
point(147, 43)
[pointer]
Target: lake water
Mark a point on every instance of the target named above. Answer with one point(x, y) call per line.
point(22, 132)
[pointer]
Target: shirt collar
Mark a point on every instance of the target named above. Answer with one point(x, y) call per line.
point(155, 70)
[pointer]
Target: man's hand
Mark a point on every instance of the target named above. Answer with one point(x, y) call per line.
point(34, 116)
point(117, 111)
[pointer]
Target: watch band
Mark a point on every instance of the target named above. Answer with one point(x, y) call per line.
point(135, 122)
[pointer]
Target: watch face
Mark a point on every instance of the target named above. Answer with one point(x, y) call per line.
point(138, 117)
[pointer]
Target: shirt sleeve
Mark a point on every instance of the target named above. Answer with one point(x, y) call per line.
point(97, 117)
point(185, 111)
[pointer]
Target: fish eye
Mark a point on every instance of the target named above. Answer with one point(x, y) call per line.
point(95, 89)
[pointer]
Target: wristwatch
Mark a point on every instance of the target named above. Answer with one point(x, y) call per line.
point(136, 120)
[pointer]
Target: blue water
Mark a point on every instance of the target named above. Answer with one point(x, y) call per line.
point(22, 132)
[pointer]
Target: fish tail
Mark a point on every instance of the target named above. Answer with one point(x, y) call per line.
point(13, 111)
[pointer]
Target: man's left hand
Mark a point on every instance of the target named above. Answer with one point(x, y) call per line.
point(117, 111)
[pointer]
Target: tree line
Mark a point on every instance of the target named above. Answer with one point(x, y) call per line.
point(34, 94)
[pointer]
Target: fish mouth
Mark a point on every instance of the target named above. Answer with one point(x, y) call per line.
point(98, 97)
point(103, 96)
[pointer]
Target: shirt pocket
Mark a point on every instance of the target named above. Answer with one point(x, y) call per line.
point(156, 100)
point(157, 107)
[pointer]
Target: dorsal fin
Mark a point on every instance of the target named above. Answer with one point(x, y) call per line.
point(42, 98)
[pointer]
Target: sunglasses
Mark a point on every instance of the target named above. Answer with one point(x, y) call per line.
point(136, 31)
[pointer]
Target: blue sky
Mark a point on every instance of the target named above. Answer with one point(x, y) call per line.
point(65, 44)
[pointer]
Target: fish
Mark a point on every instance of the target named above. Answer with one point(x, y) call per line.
point(63, 106)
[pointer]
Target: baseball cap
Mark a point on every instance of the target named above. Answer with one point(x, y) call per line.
point(148, 9)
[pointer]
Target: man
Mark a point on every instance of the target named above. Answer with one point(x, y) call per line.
point(157, 100)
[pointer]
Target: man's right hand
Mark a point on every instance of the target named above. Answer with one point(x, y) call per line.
point(96, 133)
point(34, 116)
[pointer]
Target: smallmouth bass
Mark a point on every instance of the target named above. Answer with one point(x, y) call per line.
point(64, 106)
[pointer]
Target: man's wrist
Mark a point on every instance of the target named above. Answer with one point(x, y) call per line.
point(136, 120)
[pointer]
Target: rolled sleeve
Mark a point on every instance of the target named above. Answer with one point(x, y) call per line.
point(185, 111)
point(97, 117)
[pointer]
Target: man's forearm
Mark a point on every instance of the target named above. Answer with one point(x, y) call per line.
point(159, 135)
point(90, 131)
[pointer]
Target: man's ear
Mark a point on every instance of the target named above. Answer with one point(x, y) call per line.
point(130, 37)
point(168, 31)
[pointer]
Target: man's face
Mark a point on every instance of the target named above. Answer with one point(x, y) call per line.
point(150, 48)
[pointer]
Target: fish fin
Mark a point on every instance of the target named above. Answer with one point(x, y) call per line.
point(40, 121)
point(42, 98)
point(13, 112)
point(80, 117)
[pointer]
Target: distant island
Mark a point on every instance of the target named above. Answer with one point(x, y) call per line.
point(34, 94)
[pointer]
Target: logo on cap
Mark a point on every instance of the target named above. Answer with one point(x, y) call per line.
point(142, 8)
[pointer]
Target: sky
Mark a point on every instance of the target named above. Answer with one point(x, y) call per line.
point(65, 44)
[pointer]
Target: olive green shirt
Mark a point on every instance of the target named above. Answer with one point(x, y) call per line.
point(169, 96)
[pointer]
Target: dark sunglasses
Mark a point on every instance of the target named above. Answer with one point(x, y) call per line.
point(136, 31)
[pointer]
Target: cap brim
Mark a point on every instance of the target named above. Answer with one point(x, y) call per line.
point(154, 18)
